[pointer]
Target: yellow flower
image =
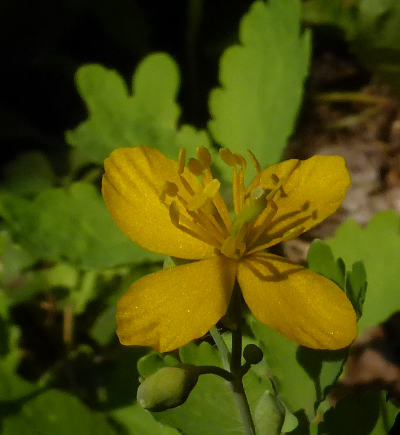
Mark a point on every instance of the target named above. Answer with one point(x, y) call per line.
point(175, 208)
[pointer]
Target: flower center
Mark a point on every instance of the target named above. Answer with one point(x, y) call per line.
point(197, 208)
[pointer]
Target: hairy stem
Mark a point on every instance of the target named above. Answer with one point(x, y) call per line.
point(233, 362)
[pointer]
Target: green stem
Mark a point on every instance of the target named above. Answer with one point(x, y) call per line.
point(205, 370)
point(233, 363)
point(236, 365)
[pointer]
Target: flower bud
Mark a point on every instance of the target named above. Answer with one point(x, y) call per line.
point(252, 354)
point(167, 388)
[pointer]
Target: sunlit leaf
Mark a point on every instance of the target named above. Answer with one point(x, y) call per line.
point(120, 116)
point(261, 81)
point(378, 247)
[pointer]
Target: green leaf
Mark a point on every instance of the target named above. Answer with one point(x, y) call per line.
point(334, 12)
point(12, 386)
point(320, 260)
point(202, 354)
point(378, 247)
point(54, 412)
point(17, 281)
point(190, 138)
point(261, 81)
point(356, 287)
point(118, 117)
point(137, 421)
point(71, 224)
point(28, 174)
point(295, 387)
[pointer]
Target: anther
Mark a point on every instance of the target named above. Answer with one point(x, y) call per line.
point(171, 189)
point(195, 167)
point(228, 157)
point(174, 213)
point(204, 156)
point(255, 162)
point(181, 160)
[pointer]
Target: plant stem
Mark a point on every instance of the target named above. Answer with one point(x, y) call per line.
point(205, 370)
point(68, 324)
point(236, 365)
point(233, 362)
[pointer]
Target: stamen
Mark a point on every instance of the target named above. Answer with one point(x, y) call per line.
point(241, 188)
point(209, 192)
point(195, 167)
point(174, 213)
point(228, 157)
point(169, 189)
point(197, 233)
point(236, 191)
point(222, 210)
point(186, 185)
point(265, 219)
point(181, 160)
point(218, 202)
point(204, 156)
point(255, 162)
point(209, 225)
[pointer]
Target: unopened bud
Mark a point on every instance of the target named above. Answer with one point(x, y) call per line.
point(269, 414)
point(167, 388)
point(252, 354)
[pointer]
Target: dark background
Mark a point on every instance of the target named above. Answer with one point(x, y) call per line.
point(43, 43)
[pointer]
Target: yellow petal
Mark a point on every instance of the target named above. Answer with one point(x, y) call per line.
point(311, 191)
point(168, 309)
point(302, 305)
point(133, 181)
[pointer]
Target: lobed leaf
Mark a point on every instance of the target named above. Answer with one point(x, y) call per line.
point(119, 117)
point(70, 224)
point(261, 81)
point(378, 247)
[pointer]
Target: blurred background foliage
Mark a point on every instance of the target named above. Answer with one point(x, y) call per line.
point(81, 78)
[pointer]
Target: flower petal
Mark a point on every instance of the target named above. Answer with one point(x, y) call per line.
point(132, 184)
point(311, 191)
point(302, 305)
point(168, 309)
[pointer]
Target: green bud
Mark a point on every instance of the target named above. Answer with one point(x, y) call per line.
point(269, 415)
point(167, 388)
point(252, 354)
